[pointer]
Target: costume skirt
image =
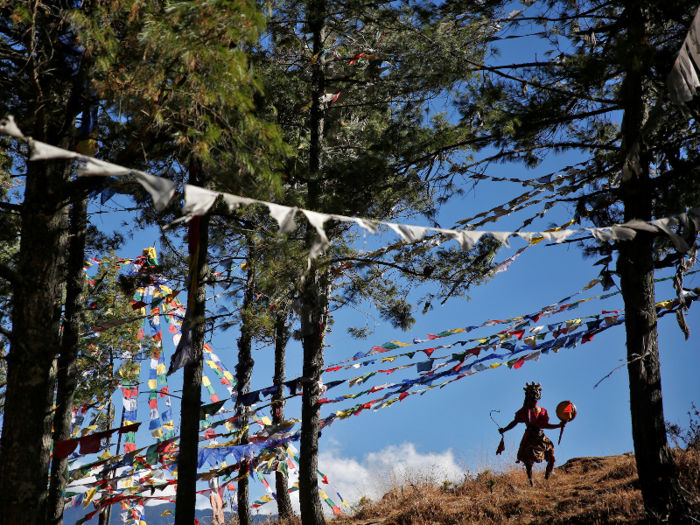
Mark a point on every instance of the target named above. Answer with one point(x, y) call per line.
point(535, 447)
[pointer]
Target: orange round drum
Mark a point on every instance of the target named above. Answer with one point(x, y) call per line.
point(566, 411)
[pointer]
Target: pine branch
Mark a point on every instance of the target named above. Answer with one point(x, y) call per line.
point(11, 207)
point(7, 333)
point(384, 263)
point(9, 274)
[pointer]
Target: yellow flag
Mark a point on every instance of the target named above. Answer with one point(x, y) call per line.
point(592, 283)
point(87, 430)
point(88, 496)
point(87, 147)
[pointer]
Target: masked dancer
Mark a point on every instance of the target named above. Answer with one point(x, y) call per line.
point(535, 447)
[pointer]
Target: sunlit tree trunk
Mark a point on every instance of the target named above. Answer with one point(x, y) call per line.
point(192, 384)
point(67, 370)
point(284, 502)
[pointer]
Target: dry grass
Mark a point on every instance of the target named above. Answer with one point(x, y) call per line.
point(583, 491)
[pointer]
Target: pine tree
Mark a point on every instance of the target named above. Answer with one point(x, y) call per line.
point(605, 59)
point(350, 83)
point(162, 75)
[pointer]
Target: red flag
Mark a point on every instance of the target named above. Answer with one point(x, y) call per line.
point(587, 337)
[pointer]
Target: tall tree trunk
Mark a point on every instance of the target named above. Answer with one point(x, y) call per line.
point(284, 502)
point(657, 472)
point(192, 384)
point(313, 297)
point(655, 465)
point(66, 375)
point(108, 512)
point(103, 516)
point(314, 316)
point(244, 370)
point(35, 342)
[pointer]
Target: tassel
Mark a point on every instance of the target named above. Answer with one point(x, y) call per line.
point(501, 446)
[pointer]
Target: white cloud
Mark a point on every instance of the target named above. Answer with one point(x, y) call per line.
point(202, 503)
point(394, 466)
point(375, 474)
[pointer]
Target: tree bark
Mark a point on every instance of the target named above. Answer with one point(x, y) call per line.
point(655, 465)
point(192, 387)
point(244, 370)
point(313, 297)
point(66, 375)
point(36, 314)
point(663, 501)
point(284, 502)
point(314, 316)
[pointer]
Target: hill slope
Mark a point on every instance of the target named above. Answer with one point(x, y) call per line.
point(582, 491)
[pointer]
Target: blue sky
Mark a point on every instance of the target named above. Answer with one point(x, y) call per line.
point(448, 431)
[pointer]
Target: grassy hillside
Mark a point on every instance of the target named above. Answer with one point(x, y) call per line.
point(582, 491)
point(595, 490)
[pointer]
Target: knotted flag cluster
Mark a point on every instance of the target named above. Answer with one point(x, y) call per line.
point(162, 302)
point(130, 404)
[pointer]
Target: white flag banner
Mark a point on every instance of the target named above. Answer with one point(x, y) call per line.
point(601, 235)
point(666, 225)
point(527, 236)
point(623, 234)
point(97, 167)
point(199, 201)
point(502, 237)
point(162, 190)
point(234, 201)
point(321, 242)
point(682, 81)
point(40, 151)
point(561, 235)
point(284, 216)
point(410, 234)
point(8, 126)
point(636, 224)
